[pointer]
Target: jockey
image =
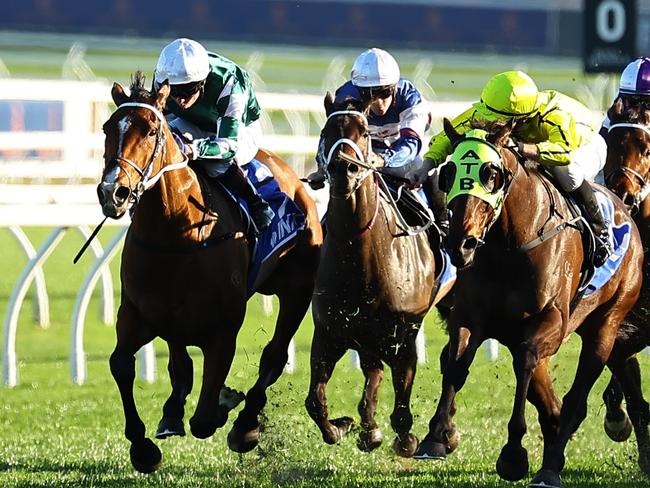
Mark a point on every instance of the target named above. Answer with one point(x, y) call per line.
point(634, 88)
point(398, 116)
point(551, 128)
point(214, 116)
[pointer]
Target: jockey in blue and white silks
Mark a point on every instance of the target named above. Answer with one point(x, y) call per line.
point(398, 116)
point(634, 88)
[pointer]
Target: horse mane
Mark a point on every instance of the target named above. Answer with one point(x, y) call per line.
point(633, 115)
point(498, 131)
point(351, 103)
point(138, 91)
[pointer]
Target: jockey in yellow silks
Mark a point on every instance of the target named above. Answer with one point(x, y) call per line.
point(551, 128)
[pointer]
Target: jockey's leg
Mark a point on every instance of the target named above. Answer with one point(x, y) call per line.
point(261, 213)
point(316, 179)
point(437, 201)
point(586, 162)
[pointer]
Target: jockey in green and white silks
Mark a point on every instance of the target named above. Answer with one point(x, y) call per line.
point(551, 128)
point(214, 115)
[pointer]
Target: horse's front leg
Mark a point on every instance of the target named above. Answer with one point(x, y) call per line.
point(370, 437)
point(325, 353)
point(597, 345)
point(181, 376)
point(131, 336)
point(403, 368)
point(442, 437)
point(293, 305)
point(211, 413)
point(543, 340)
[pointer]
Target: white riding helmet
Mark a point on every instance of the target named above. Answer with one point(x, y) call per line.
point(182, 61)
point(375, 67)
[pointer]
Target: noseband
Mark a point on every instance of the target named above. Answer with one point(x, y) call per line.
point(630, 173)
point(146, 179)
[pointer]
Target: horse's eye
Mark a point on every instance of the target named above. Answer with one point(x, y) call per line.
point(153, 133)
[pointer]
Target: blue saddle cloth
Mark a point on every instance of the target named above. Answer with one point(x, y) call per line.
point(288, 221)
point(619, 237)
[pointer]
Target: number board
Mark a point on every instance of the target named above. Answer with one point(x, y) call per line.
point(609, 35)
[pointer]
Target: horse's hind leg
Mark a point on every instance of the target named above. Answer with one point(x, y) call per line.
point(145, 455)
point(181, 376)
point(627, 371)
point(294, 303)
point(370, 437)
point(403, 372)
point(617, 422)
point(325, 353)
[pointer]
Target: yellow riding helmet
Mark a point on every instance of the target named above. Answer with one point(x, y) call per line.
point(511, 94)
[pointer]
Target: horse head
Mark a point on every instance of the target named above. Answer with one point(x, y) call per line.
point(137, 144)
point(476, 179)
point(346, 146)
point(627, 171)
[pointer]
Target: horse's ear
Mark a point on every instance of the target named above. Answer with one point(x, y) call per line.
point(117, 92)
point(617, 108)
point(328, 103)
point(453, 136)
point(161, 95)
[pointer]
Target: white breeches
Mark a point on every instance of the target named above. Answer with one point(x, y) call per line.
point(586, 162)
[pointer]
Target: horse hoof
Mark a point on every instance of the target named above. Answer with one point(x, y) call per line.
point(405, 446)
point(453, 440)
point(204, 428)
point(369, 440)
point(618, 430)
point(429, 450)
point(145, 456)
point(169, 427)
point(512, 464)
point(546, 478)
point(340, 427)
point(245, 442)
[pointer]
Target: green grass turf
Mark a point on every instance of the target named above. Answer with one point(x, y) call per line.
point(54, 434)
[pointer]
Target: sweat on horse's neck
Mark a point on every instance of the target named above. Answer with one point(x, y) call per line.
point(356, 217)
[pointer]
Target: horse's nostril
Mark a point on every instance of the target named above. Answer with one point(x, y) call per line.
point(121, 194)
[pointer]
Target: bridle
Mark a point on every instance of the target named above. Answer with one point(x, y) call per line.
point(146, 178)
point(630, 173)
point(361, 159)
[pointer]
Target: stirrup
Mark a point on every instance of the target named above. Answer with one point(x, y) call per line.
point(603, 249)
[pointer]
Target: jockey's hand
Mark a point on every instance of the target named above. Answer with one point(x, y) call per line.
point(183, 144)
point(528, 151)
point(375, 160)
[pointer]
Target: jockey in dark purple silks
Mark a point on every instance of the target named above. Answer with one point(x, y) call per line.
point(214, 116)
point(634, 88)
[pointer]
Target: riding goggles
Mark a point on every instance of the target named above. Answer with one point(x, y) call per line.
point(373, 93)
point(186, 90)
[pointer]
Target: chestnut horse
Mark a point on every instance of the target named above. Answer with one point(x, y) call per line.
point(375, 283)
point(627, 173)
point(184, 274)
point(520, 268)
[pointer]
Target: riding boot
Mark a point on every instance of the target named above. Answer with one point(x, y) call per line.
point(438, 205)
point(261, 213)
point(316, 180)
point(586, 198)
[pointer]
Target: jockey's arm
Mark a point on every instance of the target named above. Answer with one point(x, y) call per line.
point(440, 146)
point(560, 141)
point(221, 146)
point(414, 122)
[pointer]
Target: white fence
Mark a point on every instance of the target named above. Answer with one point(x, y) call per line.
point(72, 152)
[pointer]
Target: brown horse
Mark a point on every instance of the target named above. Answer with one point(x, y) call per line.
point(184, 274)
point(520, 268)
point(627, 173)
point(374, 286)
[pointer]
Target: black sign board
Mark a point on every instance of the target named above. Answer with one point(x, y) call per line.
point(609, 35)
